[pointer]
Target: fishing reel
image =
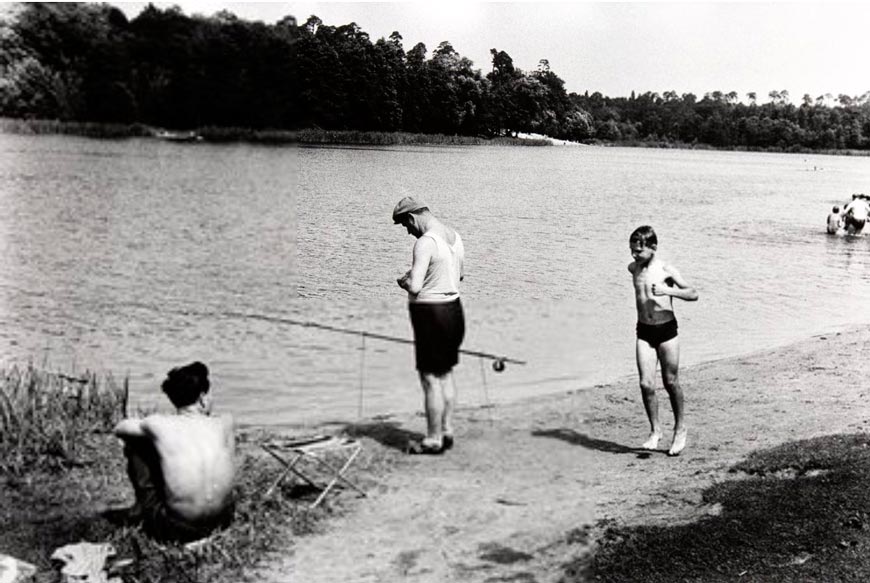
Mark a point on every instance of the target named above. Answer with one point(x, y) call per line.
point(498, 365)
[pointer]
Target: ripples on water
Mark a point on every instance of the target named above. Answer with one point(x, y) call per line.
point(130, 256)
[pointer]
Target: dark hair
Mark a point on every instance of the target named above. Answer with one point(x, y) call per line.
point(646, 235)
point(184, 384)
point(836, 209)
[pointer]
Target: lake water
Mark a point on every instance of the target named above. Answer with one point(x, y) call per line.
point(133, 256)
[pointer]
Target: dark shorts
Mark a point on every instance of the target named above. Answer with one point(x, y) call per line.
point(656, 334)
point(163, 524)
point(438, 333)
point(856, 224)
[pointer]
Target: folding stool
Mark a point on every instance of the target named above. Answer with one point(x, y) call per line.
point(329, 455)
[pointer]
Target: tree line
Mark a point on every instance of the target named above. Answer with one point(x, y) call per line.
point(88, 62)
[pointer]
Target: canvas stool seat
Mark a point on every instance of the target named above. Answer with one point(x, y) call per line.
point(321, 456)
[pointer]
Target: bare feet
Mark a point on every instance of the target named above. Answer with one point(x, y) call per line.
point(679, 442)
point(652, 441)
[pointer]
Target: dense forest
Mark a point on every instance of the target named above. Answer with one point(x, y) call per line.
point(88, 62)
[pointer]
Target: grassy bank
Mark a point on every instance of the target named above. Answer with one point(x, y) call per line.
point(62, 468)
point(796, 512)
point(315, 137)
point(677, 145)
point(71, 128)
point(234, 134)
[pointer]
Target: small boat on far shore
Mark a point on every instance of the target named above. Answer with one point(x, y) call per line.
point(178, 136)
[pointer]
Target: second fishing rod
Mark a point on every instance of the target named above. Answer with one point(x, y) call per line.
point(498, 363)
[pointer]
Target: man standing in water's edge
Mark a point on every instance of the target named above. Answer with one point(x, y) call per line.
point(437, 317)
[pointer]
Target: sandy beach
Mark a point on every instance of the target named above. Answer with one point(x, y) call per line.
point(531, 485)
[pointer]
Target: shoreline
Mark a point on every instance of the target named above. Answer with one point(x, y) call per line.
point(531, 486)
point(561, 392)
point(329, 138)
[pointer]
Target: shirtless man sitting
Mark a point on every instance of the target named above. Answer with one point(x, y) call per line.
point(181, 466)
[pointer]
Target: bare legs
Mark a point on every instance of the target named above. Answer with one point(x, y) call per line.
point(668, 354)
point(646, 368)
point(439, 400)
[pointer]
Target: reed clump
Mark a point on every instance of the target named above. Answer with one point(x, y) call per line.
point(316, 136)
point(221, 134)
point(73, 128)
point(46, 417)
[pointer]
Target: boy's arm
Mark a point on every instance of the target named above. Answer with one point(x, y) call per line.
point(680, 289)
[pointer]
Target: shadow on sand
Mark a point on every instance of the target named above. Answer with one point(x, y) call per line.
point(583, 440)
point(387, 433)
point(799, 513)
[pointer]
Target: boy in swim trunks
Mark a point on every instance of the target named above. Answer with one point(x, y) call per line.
point(655, 283)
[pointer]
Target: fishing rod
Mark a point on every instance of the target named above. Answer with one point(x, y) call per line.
point(498, 363)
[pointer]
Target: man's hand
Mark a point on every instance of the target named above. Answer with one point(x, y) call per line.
point(403, 281)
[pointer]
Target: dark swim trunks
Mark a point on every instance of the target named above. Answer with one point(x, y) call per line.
point(855, 224)
point(656, 334)
point(439, 329)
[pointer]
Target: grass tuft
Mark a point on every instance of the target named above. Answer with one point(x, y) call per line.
point(45, 417)
point(800, 513)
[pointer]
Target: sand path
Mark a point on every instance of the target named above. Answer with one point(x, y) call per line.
point(515, 500)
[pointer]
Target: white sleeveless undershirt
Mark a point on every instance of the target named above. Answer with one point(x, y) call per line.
point(441, 283)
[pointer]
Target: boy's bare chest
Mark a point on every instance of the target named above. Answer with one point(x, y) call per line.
point(646, 277)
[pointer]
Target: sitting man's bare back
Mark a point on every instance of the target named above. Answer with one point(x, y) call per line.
point(181, 466)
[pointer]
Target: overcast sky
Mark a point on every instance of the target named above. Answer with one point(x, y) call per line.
point(616, 47)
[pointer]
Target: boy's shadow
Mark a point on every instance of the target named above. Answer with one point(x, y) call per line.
point(387, 433)
point(583, 440)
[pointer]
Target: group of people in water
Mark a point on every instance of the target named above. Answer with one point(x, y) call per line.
point(181, 466)
point(852, 219)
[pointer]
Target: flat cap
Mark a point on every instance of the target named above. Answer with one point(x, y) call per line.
point(407, 205)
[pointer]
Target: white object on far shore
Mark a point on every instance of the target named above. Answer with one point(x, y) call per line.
point(554, 141)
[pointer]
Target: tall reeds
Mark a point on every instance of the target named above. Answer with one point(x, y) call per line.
point(73, 128)
point(312, 136)
point(45, 417)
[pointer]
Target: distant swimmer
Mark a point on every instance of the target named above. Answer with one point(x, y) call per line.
point(835, 221)
point(655, 283)
point(855, 215)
